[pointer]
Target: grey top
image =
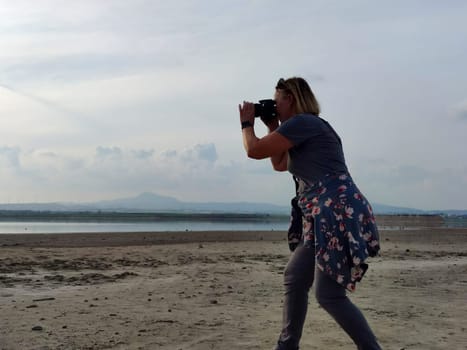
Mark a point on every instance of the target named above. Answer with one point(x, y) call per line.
point(317, 149)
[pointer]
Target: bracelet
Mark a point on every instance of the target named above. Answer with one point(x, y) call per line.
point(246, 124)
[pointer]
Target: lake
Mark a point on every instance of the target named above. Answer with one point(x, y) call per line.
point(70, 227)
point(125, 222)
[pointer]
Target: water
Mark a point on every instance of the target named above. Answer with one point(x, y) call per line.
point(183, 225)
point(17, 227)
point(456, 221)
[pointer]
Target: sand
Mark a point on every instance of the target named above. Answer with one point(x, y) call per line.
point(217, 290)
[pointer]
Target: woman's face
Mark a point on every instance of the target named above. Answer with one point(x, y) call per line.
point(283, 105)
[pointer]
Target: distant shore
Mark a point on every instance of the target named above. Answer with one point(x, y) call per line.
point(429, 220)
point(122, 216)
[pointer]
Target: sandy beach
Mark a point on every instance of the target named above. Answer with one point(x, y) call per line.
point(217, 290)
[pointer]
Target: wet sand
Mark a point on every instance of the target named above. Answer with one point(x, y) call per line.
point(217, 290)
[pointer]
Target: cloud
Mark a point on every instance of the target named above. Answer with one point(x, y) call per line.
point(413, 186)
point(67, 68)
point(108, 98)
point(42, 101)
point(143, 154)
point(55, 44)
point(194, 173)
point(463, 115)
point(10, 156)
point(171, 153)
point(201, 152)
point(109, 169)
point(460, 111)
point(114, 153)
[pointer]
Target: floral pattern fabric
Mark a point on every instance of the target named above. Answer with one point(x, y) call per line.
point(339, 221)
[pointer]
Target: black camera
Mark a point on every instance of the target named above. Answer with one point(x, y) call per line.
point(266, 110)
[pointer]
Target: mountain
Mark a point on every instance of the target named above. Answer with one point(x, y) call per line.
point(144, 202)
point(389, 209)
point(151, 202)
point(154, 202)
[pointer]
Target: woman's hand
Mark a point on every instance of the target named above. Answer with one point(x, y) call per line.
point(271, 124)
point(273, 145)
point(247, 112)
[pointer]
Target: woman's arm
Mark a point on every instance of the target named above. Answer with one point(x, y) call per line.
point(273, 145)
point(279, 163)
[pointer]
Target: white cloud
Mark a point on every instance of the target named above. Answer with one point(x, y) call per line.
point(459, 110)
point(194, 173)
point(413, 186)
point(10, 156)
point(99, 99)
point(113, 153)
point(206, 152)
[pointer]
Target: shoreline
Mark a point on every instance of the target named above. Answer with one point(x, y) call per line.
point(116, 239)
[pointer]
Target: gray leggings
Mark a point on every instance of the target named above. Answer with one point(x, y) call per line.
point(298, 279)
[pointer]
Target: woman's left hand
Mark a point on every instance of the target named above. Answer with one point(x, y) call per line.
point(247, 112)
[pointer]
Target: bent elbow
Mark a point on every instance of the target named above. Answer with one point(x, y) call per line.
point(279, 167)
point(253, 155)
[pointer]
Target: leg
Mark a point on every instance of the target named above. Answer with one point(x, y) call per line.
point(332, 297)
point(298, 278)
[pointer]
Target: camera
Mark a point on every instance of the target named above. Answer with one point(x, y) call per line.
point(266, 110)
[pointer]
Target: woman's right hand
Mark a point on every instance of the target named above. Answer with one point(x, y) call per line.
point(271, 124)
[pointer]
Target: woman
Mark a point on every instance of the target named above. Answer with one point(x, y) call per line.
point(339, 227)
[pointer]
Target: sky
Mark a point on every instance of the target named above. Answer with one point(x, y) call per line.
point(108, 99)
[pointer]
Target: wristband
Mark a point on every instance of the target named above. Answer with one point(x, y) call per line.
point(246, 124)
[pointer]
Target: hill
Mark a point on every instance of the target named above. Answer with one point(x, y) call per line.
point(151, 202)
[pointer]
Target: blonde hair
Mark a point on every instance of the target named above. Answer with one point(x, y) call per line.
point(305, 100)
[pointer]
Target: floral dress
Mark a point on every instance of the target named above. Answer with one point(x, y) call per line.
point(339, 221)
